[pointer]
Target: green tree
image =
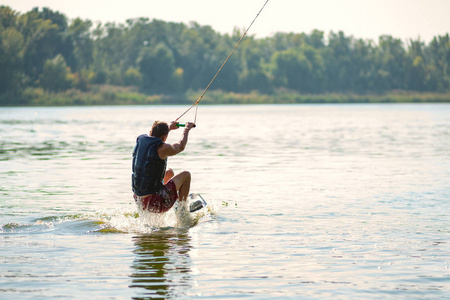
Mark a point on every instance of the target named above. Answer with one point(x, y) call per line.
point(109, 52)
point(391, 59)
point(198, 57)
point(252, 76)
point(132, 77)
point(8, 17)
point(157, 67)
point(341, 70)
point(38, 34)
point(364, 69)
point(61, 40)
point(439, 51)
point(40, 48)
point(315, 39)
point(228, 77)
point(43, 39)
point(83, 46)
point(416, 75)
point(300, 69)
point(55, 76)
point(11, 52)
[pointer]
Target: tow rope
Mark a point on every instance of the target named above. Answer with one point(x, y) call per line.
point(220, 69)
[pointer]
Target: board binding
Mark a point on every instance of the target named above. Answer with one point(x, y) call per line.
point(196, 204)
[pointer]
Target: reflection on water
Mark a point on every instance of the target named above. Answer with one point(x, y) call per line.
point(162, 265)
point(313, 201)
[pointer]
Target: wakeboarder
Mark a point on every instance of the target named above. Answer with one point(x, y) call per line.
point(155, 188)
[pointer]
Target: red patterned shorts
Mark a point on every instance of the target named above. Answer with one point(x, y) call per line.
point(161, 201)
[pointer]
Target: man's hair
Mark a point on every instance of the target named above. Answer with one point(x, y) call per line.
point(159, 129)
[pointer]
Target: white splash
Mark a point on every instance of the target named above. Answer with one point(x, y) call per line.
point(133, 219)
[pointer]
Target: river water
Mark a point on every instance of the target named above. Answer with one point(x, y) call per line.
point(305, 202)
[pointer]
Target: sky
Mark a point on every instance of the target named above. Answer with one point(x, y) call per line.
point(366, 19)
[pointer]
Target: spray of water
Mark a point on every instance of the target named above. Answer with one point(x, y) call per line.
point(123, 218)
point(133, 219)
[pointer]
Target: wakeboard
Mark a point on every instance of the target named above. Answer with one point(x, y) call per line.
point(196, 202)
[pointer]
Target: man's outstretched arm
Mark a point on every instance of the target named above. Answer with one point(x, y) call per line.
point(167, 150)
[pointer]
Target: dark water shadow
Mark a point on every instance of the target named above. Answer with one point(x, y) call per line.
point(162, 266)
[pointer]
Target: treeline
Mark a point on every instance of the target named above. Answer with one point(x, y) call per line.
point(41, 51)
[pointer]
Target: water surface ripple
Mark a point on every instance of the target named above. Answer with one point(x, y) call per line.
point(306, 202)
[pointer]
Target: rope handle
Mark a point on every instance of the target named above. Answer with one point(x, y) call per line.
point(183, 125)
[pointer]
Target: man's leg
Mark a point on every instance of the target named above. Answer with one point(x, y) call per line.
point(183, 183)
point(169, 174)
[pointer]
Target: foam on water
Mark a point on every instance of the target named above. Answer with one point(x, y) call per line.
point(133, 219)
point(120, 219)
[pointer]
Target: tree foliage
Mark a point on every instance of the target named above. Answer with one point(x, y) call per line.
point(55, 75)
point(42, 48)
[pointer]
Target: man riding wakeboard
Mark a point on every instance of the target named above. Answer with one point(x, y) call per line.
point(155, 189)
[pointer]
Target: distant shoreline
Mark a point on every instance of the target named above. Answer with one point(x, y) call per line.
point(114, 95)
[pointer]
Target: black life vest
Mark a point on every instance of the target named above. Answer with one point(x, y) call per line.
point(148, 168)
